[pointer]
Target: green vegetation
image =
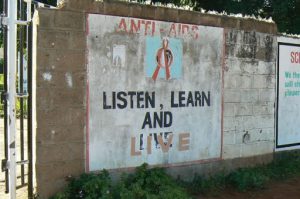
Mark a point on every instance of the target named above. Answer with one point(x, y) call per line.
point(1, 65)
point(205, 185)
point(144, 183)
point(156, 184)
point(285, 13)
point(249, 178)
point(149, 183)
point(88, 186)
point(252, 178)
point(1, 82)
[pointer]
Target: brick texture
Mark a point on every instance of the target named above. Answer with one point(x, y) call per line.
point(249, 95)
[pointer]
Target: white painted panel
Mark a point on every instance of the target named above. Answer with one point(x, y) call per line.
point(288, 91)
point(123, 55)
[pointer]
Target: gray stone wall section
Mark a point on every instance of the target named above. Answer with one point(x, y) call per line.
point(61, 109)
point(61, 88)
point(249, 93)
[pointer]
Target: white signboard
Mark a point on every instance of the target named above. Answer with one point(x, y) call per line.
point(154, 92)
point(288, 94)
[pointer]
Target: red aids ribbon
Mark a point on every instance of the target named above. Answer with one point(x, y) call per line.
point(164, 59)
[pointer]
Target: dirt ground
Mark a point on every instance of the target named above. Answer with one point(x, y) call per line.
point(289, 189)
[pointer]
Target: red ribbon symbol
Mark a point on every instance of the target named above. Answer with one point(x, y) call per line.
point(164, 59)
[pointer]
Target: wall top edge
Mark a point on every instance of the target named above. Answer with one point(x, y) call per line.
point(127, 9)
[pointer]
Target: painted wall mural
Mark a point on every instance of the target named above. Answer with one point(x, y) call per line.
point(163, 57)
point(154, 92)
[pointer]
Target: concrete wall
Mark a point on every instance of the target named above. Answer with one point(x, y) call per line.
point(248, 93)
point(249, 96)
point(60, 109)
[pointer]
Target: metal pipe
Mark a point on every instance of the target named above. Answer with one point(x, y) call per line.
point(21, 46)
point(11, 71)
point(23, 23)
point(28, 17)
point(29, 117)
point(5, 90)
point(29, 103)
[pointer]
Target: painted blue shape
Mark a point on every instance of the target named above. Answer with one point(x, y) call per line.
point(153, 44)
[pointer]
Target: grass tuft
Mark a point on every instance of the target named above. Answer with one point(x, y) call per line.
point(155, 183)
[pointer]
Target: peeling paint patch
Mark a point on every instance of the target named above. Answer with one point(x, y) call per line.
point(47, 76)
point(53, 134)
point(69, 79)
point(119, 57)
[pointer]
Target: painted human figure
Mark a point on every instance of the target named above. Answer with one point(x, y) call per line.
point(164, 59)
